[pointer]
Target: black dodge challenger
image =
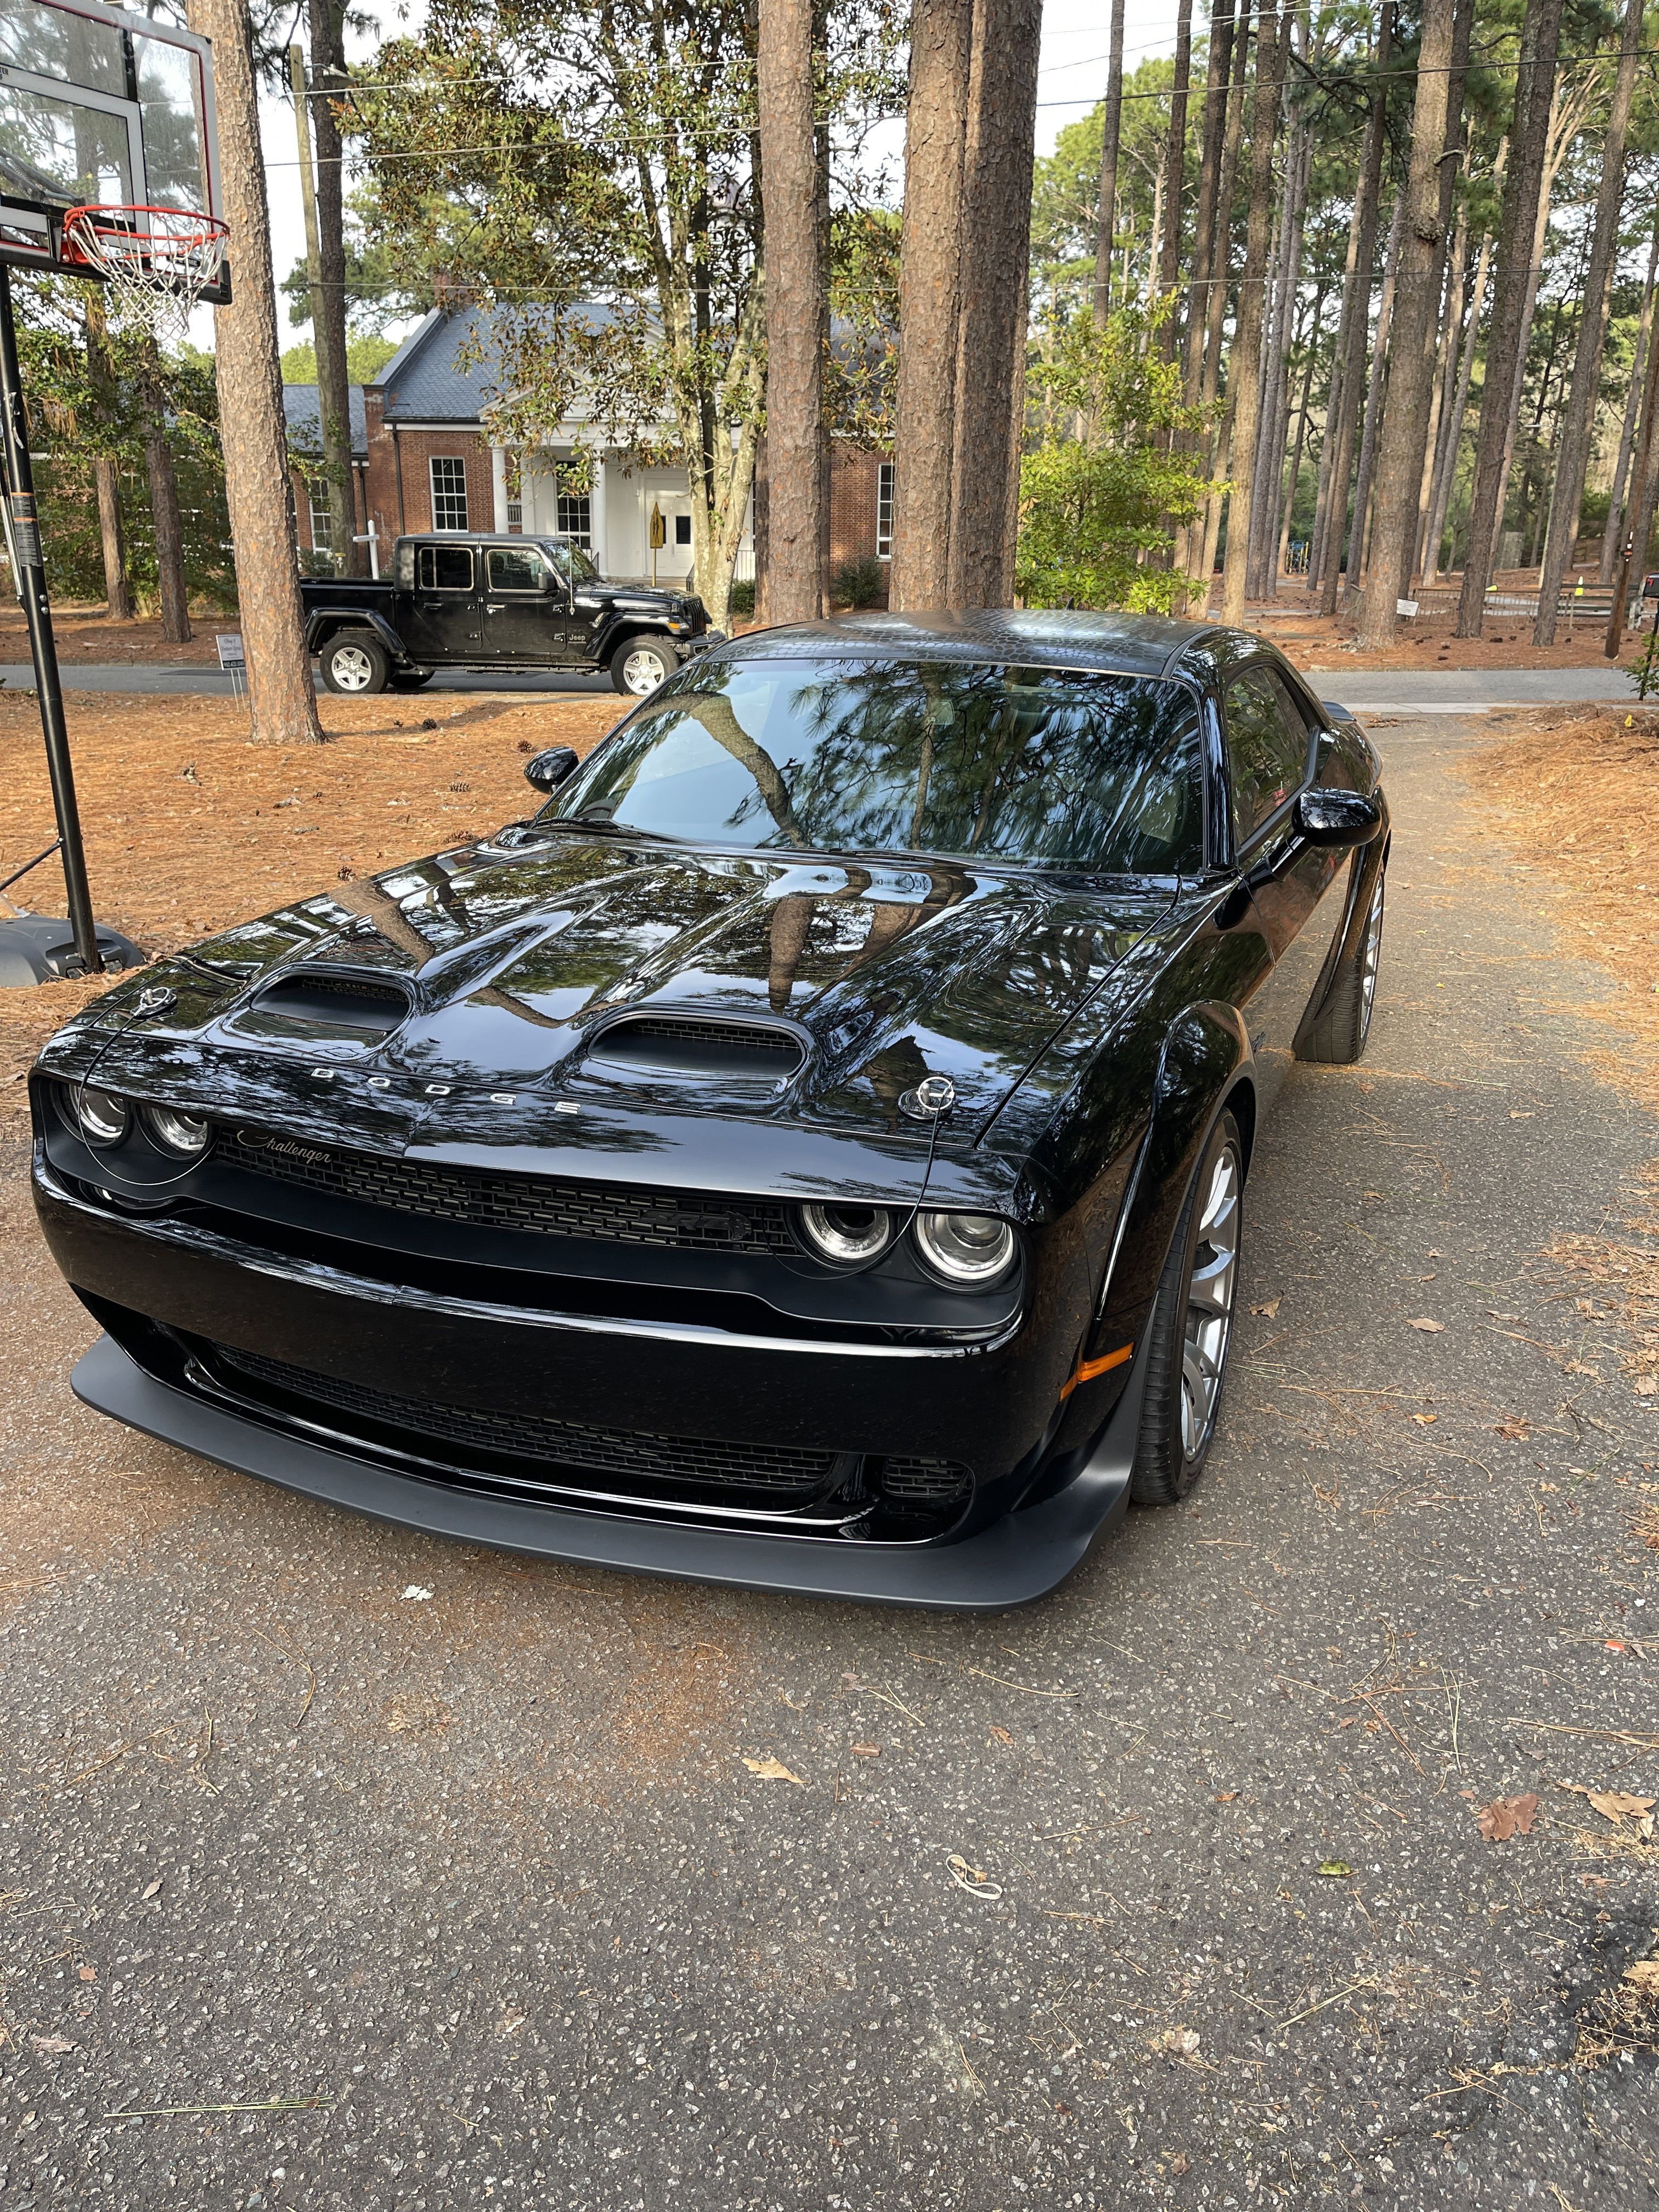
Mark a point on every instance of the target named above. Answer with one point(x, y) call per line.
point(808, 1153)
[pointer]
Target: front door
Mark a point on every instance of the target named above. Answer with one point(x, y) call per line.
point(1270, 748)
point(526, 604)
point(444, 623)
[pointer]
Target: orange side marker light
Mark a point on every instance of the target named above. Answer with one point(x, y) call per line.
point(1090, 1368)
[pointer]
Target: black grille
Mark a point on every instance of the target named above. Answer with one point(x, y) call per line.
point(914, 1481)
point(505, 1201)
point(685, 1045)
point(365, 1006)
point(776, 1474)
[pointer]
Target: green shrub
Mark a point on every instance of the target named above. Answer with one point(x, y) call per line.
point(861, 583)
point(740, 599)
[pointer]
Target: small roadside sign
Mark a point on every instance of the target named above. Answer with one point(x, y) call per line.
point(229, 642)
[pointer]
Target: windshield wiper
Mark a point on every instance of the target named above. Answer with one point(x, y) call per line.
point(598, 826)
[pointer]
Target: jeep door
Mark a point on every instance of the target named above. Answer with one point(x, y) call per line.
point(444, 623)
point(526, 605)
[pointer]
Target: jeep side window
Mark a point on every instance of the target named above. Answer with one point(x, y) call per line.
point(515, 569)
point(443, 568)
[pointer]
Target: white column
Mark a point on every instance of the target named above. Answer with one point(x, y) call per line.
point(498, 485)
point(599, 514)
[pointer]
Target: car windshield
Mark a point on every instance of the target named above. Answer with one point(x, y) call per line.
point(1053, 766)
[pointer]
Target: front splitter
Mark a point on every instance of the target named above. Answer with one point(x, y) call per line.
point(1014, 1562)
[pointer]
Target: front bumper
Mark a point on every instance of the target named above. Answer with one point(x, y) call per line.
point(1014, 1560)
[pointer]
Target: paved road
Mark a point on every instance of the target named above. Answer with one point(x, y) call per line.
point(1428, 690)
point(484, 1874)
point(1462, 691)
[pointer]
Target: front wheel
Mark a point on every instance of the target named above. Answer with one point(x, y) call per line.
point(1192, 1327)
point(355, 663)
point(641, 664)
point(1337, 1033)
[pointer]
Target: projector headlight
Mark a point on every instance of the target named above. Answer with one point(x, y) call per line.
point(846, 1236)
point(185, 1133)
point(102, 1118)
point(968, 1250)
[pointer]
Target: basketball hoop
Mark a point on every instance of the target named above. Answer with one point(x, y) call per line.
point(157, 261)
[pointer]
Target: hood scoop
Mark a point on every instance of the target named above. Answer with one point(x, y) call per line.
point(695, 1045)
point(311, 1004)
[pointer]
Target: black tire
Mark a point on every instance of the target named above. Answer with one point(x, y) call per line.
point(410, 679)
point(1337, 1033)
point(1190, 1337)
point(356, 664)
point(629, 663)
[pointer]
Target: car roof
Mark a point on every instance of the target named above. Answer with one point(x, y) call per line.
point(1122, 645)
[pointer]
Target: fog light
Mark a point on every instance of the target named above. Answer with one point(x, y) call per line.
point(845, 1235)
point(965, 1248)
point(187, 1134)
point(103, 1119)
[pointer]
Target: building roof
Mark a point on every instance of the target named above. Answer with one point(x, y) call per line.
point(427, 380)
point(304, 422)
point(1129, 645)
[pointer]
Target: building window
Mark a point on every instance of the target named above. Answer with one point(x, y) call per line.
point(885, 511)
point(681, 530)
point(448, 493)
point(322, 521)
point(575, 517)
point(515, 514)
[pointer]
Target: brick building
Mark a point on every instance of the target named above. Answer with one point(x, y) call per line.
point(423, 460)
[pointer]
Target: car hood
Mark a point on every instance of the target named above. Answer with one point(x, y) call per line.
point(601, 595)
point(522, 968)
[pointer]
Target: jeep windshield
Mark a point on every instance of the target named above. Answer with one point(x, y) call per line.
point(1061, 768)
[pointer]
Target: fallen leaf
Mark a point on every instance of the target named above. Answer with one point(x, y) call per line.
point(1268, 1308)
point(1001, 1734)
point(1615, 1804)
point(53, 2043)
point(1514, 1116)
point(1508, 1816)
point(1429, 1328)
point(1224, 1797)
point(86, 1974)
point(1647, 1385)
point(1178, 2163)
point(1644, 1976)
point(1179, 2042)
point(510, 2023)
point(866, 1750)
point(152, 1889)
point(1337, 1867)
point(1425, 1421)
point(1613, 1645)
point(1577, 1367)
point(1513, 1428)
point(773, 1770)
point(418, 1592)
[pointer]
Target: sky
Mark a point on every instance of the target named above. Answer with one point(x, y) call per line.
point(1072, 78)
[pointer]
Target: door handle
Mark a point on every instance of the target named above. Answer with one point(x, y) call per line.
point(492, 607)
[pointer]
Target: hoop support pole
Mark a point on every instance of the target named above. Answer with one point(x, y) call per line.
point(24, 540)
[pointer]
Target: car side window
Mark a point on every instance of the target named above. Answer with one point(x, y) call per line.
point(444, 568)
point(1267, 748)
point(515, 569)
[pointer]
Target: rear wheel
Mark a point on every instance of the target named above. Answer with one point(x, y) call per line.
point(356, 664)
point(1338, 1031)
point(641, 664)
point(1192, 1327)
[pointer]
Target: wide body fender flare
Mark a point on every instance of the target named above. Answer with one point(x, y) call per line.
point(327, 622)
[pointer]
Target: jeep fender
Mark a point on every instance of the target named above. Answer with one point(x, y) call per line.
point(327, 622)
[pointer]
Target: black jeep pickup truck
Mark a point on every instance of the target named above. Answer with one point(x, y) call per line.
point(484, 602)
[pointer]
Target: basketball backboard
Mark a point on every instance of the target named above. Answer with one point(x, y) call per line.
point(99, 108)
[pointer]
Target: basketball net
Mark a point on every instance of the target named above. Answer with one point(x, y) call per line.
point(157, 261)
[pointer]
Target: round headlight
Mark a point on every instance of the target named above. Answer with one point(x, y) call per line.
point(846, 1235)
point(965, 1248)
point(179, 1132)
point(103, 1118)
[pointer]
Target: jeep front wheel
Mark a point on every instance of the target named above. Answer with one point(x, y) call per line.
point(639, 664)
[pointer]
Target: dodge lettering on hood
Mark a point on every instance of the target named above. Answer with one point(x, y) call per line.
point(807, 1153)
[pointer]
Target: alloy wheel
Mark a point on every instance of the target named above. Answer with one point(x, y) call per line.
point(642, 672)
point(352, 669)
point(1210, 1295)
point(1370, 957)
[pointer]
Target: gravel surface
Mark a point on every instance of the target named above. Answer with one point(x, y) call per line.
point(422, 1877)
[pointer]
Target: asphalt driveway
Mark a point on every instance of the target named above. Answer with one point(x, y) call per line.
point(340, 1868)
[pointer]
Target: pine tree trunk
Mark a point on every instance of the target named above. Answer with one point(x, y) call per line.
point(1216, 310)
point(118, 592)
point(1356, 323)
point(1110, 132)
point(1451, 332)
point(794, 305)
point(1534, 85)
point(1410, 366)
point(169, 538)
point(1452, 433)
point(1263, 582)
point(250, 426)
point(1334, 401)
point(1175, 173)
point(1645, 489)
point(1293, 480)
point(1359, 524)
point(1613, 535)
point(328, 70)
point(930, 302)
point(1246, 358)
point(1572, 448)
point(1205, 227)
point(996, 224)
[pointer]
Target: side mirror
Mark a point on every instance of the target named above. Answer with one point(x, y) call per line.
point(548, 770)
point(1338, 817)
